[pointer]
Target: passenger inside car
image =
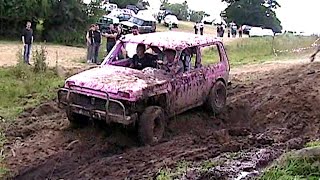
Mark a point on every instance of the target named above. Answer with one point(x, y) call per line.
point(142, 59)
point(169, 63)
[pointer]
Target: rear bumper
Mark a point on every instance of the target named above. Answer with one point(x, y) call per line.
point(91, 110)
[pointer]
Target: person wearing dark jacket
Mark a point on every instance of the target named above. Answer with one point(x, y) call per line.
point(111, 36)
point(96, 43)
point(27, 40)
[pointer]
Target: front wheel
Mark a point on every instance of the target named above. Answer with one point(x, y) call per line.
point(77, 120)
point(217, 98)
point(151, 125)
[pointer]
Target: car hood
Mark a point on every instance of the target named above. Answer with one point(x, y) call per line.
point(127, 23)
point(120, 82)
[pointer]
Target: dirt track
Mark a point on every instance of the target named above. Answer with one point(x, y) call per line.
point(273, 110)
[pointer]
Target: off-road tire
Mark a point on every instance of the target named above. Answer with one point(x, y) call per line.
point(217, 98)
point(77, 120)
point(151, 125)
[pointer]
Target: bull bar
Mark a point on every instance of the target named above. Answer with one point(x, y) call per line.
point(95, 113)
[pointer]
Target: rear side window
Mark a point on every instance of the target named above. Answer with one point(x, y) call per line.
point(210, 55)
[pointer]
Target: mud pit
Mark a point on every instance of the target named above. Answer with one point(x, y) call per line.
point(267, 113)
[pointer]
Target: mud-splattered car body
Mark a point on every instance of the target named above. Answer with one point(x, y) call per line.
point(113, 92)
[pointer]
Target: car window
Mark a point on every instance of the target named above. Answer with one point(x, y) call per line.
point(136, 20)
point(147, 23)
point(210, 55)
point(188, 57)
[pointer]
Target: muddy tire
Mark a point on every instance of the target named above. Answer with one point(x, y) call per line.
point(151, 125)
point(77, 120)
point(217, 98)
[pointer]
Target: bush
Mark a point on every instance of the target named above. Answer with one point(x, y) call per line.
point(39, 57)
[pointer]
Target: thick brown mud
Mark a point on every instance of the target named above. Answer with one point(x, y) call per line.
point(267, 113)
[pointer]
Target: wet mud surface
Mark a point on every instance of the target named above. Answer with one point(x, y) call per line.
point(267, 114)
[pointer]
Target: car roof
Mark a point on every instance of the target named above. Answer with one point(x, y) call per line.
point(146, 17)
point(171, 40)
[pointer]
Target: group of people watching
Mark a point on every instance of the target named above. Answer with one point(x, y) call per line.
point(232, 31)
point(94, 40)
point(198, 27)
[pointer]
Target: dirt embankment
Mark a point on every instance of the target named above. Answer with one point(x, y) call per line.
point(273, 110)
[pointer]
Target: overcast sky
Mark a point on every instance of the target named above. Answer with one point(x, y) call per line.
point(294, 14)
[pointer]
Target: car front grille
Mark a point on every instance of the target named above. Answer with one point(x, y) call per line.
point(95, 103)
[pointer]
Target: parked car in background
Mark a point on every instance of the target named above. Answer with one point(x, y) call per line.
point(246, 29)
point(146, 97)
point(260, 32)
point(146, 24)
point(122, 14)
point(208, 20)
point(134, 8)
point(171, 18)
point(105, 21)
point(109, 6)
point(267, 32)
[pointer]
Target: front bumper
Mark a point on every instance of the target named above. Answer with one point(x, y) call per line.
point(107, 109)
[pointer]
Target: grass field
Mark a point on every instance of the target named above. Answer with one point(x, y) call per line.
point(258, 50)
point(22, 88)
point(297, 168)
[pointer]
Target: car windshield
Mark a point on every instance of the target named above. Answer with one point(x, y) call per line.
point(140, 57)
point(136, 20)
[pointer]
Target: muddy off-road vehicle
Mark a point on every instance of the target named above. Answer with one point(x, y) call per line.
point(117, 92)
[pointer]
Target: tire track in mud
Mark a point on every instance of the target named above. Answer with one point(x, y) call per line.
point(276, 109)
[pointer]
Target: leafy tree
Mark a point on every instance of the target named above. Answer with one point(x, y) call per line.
point(62, 21)
point(124, 3)
point(196, 16)
point(180, 10)
point(254, 12)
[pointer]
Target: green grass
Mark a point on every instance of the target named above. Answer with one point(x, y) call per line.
point(313, 144)
point(167, 173)
point(295, 168)
point(258, 50)
point(22, 88)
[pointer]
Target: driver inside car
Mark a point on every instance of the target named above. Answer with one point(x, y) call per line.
point(142, 59)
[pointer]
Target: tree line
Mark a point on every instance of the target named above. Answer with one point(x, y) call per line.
point(65, 21)
point(60, 21)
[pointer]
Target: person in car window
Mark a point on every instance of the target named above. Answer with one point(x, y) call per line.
point(169, 63)
point(142, 60)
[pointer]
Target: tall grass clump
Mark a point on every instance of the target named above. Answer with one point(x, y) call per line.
point(23, 86)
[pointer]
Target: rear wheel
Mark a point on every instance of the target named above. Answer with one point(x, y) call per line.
point(151, 125)
point(217, 98)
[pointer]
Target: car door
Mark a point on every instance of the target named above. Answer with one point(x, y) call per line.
point(189, 88)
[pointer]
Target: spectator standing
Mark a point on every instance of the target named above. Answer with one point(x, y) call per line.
point(131, 47)
point(222, 31)
point(118, 28)
point(96, 43)
point(201, 28)
point(170, 25)
point(90, 41)
point(240, 32)
point(196, 28)
point(111, 36)
point(234, 30)
point(27, 40)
